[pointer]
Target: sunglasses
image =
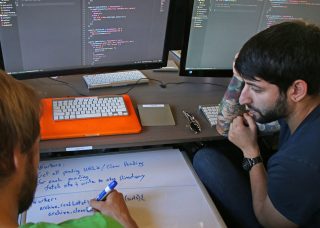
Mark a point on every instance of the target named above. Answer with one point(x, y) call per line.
point(193, 123)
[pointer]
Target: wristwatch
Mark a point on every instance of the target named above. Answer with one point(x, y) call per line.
point(248, 163)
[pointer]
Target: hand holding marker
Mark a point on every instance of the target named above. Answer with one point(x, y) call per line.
point(104, 193)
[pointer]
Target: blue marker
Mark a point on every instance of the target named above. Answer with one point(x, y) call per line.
point(104, 193)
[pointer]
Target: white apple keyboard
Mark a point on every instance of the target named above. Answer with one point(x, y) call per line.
point(115, 79)
point(210, 112)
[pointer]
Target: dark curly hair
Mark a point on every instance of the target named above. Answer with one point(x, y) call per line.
point(282, 54)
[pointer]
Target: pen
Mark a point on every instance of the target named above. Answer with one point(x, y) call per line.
point(104, 193)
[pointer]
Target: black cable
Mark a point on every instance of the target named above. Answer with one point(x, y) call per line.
point(132, 86)
point(164, 85)
point(69, 85)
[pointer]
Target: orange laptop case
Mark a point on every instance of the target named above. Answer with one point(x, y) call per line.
point(51, 129)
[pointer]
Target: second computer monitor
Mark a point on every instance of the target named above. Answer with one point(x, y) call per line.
point(218, 29)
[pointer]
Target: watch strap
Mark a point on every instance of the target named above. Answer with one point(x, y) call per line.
point(248, 163)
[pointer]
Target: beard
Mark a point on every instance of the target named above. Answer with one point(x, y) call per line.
point(28, 186)
point(279, 110)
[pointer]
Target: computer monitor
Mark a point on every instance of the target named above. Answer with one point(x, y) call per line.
point(176, 24)
point(218, 29)
point(41, 38)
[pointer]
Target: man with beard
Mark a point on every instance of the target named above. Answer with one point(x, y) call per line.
point(276, 77)
point(19, 159)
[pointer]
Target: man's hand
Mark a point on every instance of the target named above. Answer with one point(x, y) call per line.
point(243, 133)
point(116, 207)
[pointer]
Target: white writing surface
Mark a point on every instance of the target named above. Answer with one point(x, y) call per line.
point(159, 188)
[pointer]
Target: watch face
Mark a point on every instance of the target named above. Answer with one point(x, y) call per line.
point(246, 164)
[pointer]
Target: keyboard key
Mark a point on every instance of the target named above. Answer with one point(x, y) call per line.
point(88, 107)
point(210, 112)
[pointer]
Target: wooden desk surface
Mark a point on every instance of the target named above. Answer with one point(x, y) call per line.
point(185, 96)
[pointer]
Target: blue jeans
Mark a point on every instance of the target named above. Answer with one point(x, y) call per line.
point(220, 171)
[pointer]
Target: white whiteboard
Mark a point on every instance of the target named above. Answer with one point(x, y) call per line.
point(159, 187)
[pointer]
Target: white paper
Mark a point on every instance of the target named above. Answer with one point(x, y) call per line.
point(158, 186)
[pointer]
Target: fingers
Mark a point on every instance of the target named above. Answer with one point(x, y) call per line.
point(237, 121)
point(234, 127)
point(113, 198)
point(114, 194)
point(249, 120)
point(97, 205)
point(241, 123)
point(115, 206)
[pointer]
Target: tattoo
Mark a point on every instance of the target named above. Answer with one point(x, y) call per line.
point(269, 127)
point(234, 89)
point(230, 107)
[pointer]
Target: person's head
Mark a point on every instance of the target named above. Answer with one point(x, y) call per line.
point(20, 130)
point(282, 57)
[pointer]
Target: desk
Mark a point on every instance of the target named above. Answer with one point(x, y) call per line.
point(186, 96)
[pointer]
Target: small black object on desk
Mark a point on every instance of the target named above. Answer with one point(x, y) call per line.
point(193, 123)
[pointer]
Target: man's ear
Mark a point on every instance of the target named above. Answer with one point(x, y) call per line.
point(298, 90)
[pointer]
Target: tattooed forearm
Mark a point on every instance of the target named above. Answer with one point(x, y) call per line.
point(230, 107)
point(269, 127)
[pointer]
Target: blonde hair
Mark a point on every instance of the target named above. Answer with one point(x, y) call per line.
point(19, 120)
